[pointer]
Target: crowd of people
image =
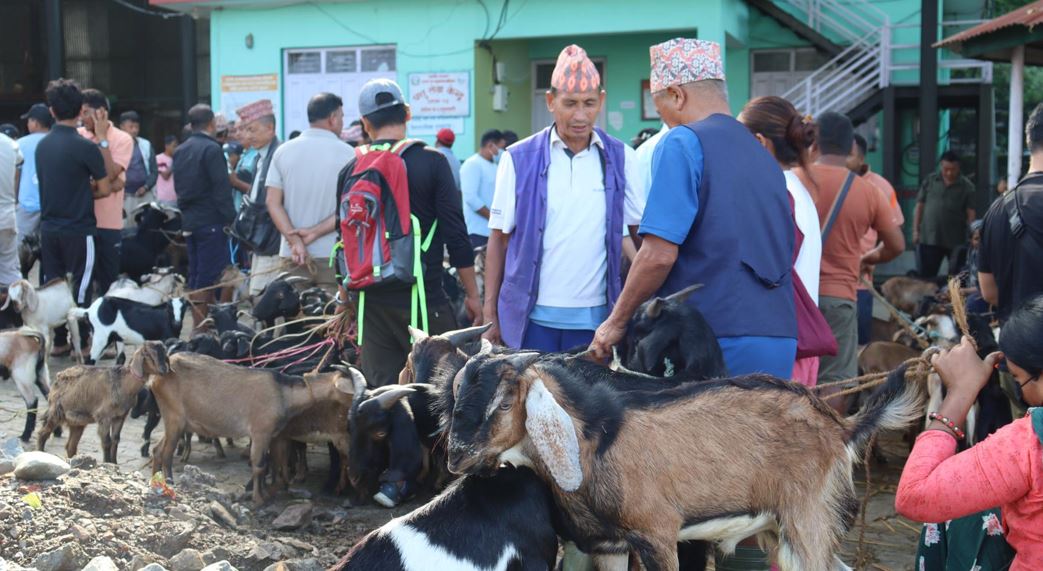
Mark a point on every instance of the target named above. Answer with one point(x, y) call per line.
point(776, 214)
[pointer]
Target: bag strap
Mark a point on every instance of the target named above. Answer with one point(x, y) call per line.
point(1037, 422)
point(838, 203)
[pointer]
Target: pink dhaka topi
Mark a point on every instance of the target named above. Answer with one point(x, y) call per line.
point(684, 60)
point(254, 111)
point(574, 72)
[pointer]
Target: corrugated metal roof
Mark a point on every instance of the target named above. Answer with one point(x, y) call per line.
point(1028, 16)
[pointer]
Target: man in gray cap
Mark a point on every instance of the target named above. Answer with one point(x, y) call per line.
point(385, 307)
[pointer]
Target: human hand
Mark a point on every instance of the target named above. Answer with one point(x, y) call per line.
point(605, 338)
point(141, 192)
point(101, 123)
point(118, 184)
point(493, 334)
point(307, 235)
point(474, 309)
point(916, 237)
point(963, 373)
point(233, 161)
point(298, 251)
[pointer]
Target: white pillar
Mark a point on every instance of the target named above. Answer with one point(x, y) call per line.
point(1016, 124)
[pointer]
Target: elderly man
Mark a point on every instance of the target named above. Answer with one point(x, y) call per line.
point(563, 197)
point(944, 210)
point(718, 214)
point(257, 121)
point(302, 190)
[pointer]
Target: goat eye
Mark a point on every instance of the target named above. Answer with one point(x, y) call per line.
point(380, 435)
point(506, 405)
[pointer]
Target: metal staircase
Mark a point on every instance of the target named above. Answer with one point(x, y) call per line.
point(859, 71)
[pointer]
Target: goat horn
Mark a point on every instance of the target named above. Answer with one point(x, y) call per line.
point(682, 296)
point(391, 396)
point(417, 335)
point(206, 322)
point(522, 360)
point(460, 337)
point(295, 279)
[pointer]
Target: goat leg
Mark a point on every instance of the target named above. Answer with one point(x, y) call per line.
point(150, 424)
point(115, 429)
point(30, 420)
point(49, 421)
point(105, 435)
point(73, 444)
point(258, 447)
point(218, 449)
point(163, 459)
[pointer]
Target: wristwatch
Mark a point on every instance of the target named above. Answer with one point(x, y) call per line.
point(104, 144)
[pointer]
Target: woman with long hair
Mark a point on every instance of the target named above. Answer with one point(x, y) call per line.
point(1005, 471)
point(788, 136)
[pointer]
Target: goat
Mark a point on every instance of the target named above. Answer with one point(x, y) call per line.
point(23, 358)
point(279, 299)
point(145, 247)
point(28, 253)
point(498, 523)
point(883, 356)
point(84, 394)
point(325, 422)
point(906, 293)
point(130, 322)
point(640, 470)
point(225, 317)
point(215, 399)
point(436, 358)
point(45, 308)
point(669, 333)
point(156, 289)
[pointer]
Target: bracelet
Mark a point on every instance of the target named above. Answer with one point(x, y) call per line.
point(948, 423)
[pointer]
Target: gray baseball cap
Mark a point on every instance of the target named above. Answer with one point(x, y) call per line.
point(371, 91)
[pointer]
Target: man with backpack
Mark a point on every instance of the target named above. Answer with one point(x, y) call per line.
point(398, 208)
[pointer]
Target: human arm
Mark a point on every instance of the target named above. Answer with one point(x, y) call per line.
point(917, 218)
point(216, 169)
point(101, 132)
point(470, 183)
point(450, 216)
point(891, 241)
point(273, 200)
point(164, 169)
point(495, 257)
point(153, 172)
point(989, 291)
point(939, 485)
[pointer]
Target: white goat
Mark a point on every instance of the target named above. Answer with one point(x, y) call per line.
point(156, 288)
point(46, 308)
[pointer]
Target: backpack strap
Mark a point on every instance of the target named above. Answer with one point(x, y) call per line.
point(1037, 422)
point(838, 203)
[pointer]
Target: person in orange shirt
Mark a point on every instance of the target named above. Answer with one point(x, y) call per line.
point(109, 210)
point(870, 242)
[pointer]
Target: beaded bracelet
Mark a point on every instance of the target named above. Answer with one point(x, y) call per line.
point(948, 423)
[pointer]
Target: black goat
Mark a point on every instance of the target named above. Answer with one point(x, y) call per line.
point(225, 317)
point(994, 412)
point(28, 253)
point(391, 426)
point(279, 299)
point(671, 331)
point(502, 522)
point(144, 247)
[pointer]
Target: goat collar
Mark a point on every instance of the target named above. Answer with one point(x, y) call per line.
point(133, 373)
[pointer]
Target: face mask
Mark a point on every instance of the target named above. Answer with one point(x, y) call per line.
point(496, 157)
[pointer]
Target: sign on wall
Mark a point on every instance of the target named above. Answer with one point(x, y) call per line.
point(239, 90)
point(340, 70)
point(441, 94)
point(429, 126)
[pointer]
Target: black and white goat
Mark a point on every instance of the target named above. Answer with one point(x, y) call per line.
point(156, 288)
point(500, 523)
point(636, 470)
point(130, 322)
point(23, 358)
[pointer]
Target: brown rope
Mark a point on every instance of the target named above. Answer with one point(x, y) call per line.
point(917, 370)
point(959, 306)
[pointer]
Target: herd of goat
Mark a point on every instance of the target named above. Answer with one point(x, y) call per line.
point(621, 461)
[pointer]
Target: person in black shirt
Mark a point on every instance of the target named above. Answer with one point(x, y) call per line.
point(1010, 264)
point(73, 173)
point(204, 195)
point(433, 195)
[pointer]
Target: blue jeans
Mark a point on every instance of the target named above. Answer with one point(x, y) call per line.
point(553, 340)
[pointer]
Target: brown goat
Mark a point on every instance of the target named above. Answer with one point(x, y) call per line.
point(636, 470)
point(212, 398)
point(324, 422)
point(906, 293)
point(84, 394)
point(883, 356)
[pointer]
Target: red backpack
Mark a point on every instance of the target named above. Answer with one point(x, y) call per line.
point(375, 224)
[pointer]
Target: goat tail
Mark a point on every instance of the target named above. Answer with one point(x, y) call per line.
point(894, 406)
point(76, 314)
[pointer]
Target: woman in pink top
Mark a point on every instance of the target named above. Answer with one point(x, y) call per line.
point(1005, 470)
point(165, 182)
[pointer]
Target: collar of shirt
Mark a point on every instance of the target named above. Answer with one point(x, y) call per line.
point(89, 135)
point(556, 142)
point(319, 134)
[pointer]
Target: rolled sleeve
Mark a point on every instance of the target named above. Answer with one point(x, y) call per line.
point(501, 215)
point(634, 200)
point(673, 199)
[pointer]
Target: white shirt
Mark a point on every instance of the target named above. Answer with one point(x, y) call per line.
point(10, 160)
point(809, 259)
point(306, 169)
point(574, 259)
point(644, 157)
point(477, 186)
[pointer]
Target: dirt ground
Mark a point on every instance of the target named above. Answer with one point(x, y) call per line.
point(890, 541)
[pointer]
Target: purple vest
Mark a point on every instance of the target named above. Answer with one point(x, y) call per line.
point(521, 276)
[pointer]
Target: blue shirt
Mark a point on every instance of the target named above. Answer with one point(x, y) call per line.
point(677, 170)
point(29, 187)
point(477, 185)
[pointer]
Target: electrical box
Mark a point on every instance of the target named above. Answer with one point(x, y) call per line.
point(500, 95)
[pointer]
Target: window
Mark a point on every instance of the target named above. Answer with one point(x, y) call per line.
point(774, 72)
point(340, 70)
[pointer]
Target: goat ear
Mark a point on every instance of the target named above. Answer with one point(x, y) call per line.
point(137, 363)
point(683, 295)
point(387, 399)
point(461, 337)
point(32, 302)
point(417, 335)
point(551, 430)
point(654, 308)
